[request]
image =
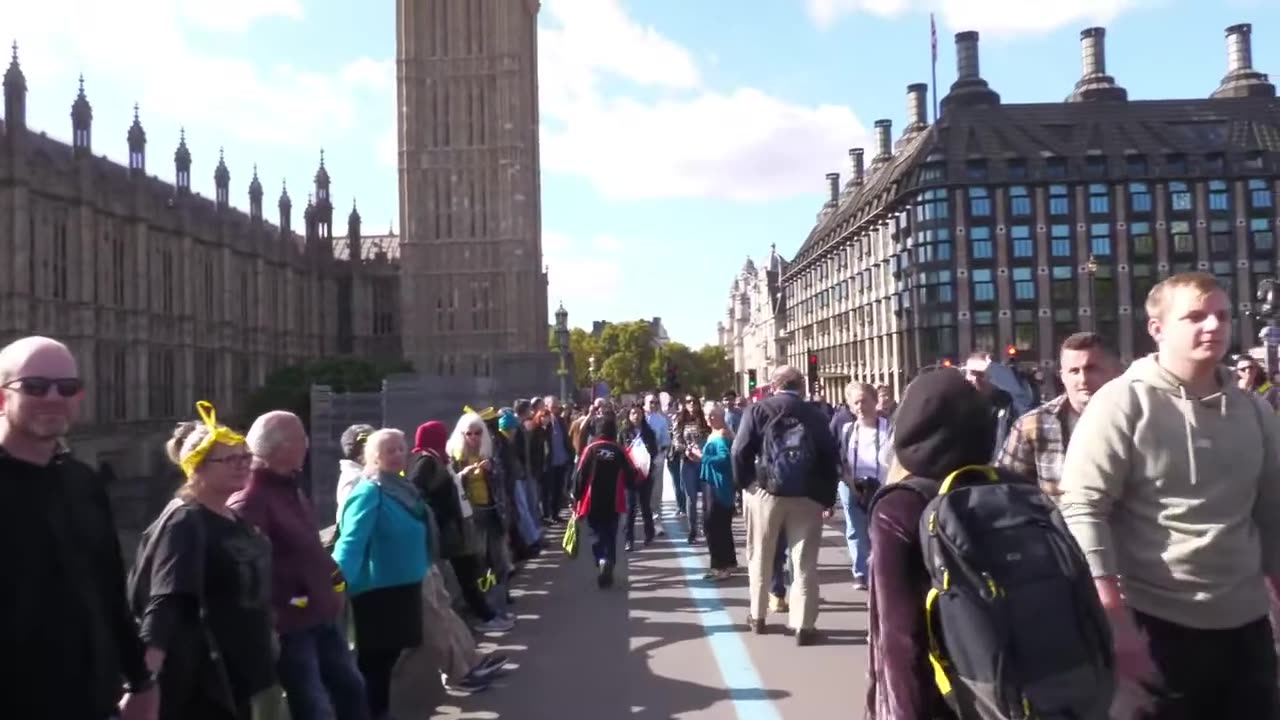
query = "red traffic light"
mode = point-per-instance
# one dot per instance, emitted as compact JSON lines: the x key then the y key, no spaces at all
{"x":1011,"y":350}
{"x":946,"y":363}
{"x":813,"y":359}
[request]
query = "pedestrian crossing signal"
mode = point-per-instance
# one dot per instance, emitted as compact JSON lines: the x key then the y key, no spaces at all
{"x":751,"y":380}
{"x":1011,"y":351}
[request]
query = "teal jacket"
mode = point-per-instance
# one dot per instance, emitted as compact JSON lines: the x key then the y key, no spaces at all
{"x":381,"y":542}
{"x":717,"y":470}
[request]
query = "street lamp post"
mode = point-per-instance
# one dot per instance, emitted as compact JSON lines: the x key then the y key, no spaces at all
{"x":1092,"y":268}
{"x":591,"y":375}
{"x":562,"y":345}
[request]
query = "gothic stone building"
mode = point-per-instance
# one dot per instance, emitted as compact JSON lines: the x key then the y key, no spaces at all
{"x":751,"y":333}
{"x":1005,"y":227}
{"x":474,"y":284}
{"x":167,"y":297}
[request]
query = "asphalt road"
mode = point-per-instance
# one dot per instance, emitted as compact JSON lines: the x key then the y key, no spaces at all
{"x":663,"y":644}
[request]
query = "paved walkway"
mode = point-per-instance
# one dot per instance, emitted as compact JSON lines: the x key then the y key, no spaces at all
{"x":662,"y":644}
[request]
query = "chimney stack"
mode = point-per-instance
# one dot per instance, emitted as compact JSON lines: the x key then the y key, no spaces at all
{"x":833,"y":188}
{"x":1095,"y":83}
{"x":917,"y":111}
{"x":967,"y":65}
{"x":1241,"y":79}
{"x":859,"y":169}
{"x":969,"y":89}
{"x":884,"y":141}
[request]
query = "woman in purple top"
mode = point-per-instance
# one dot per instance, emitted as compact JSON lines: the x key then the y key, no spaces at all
{"x":942,"y":425}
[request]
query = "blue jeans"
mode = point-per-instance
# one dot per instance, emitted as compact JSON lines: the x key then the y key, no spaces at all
{"x":855,"y":531}
{"x":318,"y":672}
{"x":673,"y":467}
{"x":526,"y":504}
{"x":691,"y":480}
{"x":780,"y":579}
{"x":604,"y":538}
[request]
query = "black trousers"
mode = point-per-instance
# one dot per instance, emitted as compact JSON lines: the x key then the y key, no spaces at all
{"x":376,"y":666}
{"x":466,"y":568}
{"x":552,"y":485}
{"x":718,"y":527}
{"x":1211,"y":674}
{"x":640,"y":500}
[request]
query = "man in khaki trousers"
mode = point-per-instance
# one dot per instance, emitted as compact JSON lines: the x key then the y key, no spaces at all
{"x":786,"y":461}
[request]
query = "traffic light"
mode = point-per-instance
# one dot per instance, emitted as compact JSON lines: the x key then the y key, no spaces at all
{"x":813,"y":373}
{"x":751,"y":380}
{"x":673,"y":378}
{"x":1011,"y":351}
{"x":946,"y":362}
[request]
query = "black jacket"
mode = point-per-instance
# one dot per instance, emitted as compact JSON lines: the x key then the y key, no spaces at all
{"x":71,"y":640}
{"x":747,"y":444}
{"x":435,"y":482}
{"x":605,"y":469}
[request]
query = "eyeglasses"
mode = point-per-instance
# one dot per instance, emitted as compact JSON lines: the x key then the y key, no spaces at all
{"x":40,"y":386}
{"x":236,"y":459}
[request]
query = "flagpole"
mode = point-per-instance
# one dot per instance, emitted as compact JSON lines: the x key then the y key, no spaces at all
{"x":933,"y":44}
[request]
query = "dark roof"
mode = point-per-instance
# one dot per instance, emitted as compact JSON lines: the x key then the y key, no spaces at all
{"x":1234,"y":127}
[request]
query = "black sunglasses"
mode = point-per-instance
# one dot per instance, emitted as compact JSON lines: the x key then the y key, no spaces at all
{"x":39,"y":386}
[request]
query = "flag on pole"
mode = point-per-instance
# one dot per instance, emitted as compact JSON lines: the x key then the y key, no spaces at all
{"x":933,"y":36}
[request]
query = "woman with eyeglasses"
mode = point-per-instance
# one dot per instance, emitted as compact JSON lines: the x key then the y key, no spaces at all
{"x":200,"y":584}
{"x":472,"y":456}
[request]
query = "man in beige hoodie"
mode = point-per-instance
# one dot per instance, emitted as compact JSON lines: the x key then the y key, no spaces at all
{"x":1171,"y":485}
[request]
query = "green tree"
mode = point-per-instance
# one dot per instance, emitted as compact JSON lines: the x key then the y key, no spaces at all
{"x":716,"y":370}
{"x":289,"y":388}
{"x":625,"y":353}
{"x":583,"y":346}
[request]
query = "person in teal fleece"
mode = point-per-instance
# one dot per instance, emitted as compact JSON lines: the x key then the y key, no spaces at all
{"x":716,"y":475}
{"x":382,"y":550}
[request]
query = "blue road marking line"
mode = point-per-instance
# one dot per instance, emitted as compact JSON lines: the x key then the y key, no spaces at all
{"x":723,"y":631}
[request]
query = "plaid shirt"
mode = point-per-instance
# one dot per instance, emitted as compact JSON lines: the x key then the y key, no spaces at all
{"x":1037,"y":444}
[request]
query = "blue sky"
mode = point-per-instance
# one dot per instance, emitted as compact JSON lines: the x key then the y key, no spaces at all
{"x":679,"y":136}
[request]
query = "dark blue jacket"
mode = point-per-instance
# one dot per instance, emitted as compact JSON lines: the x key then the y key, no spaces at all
{"x":747,"y":444}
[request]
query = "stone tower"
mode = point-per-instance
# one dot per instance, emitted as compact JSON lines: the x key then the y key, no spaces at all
{"x":473,"y":288}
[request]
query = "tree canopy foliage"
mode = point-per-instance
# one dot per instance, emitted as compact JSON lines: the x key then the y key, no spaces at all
{"x":628,"y":359}
{"x":289,"y":388}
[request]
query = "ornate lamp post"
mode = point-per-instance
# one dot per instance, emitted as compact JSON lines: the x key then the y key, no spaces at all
{"x":562,"y":345}
{"x":1092,"y":268}
{"x":591,"y":375}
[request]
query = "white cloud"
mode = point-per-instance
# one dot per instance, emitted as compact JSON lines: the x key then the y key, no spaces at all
{"x":159,"y":53}
{"x":671,"y":137}
{"x":996,"y":17}
{"x":581,"y":271}
{"x":235,"y":15}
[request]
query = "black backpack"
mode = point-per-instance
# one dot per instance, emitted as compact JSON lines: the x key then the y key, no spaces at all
{"x":1015,"y":627}
{"x":789,"y":456}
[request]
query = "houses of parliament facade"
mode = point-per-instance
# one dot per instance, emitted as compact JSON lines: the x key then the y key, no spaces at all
{"x":167,"y":297}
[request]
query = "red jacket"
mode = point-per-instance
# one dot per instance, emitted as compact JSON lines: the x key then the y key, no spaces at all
{"x":603,"y":471}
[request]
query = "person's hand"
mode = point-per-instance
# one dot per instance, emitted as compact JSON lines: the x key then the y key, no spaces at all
{"x":141,"y":706}
{"x":1134,"y":664}
{"x":484,"y":464}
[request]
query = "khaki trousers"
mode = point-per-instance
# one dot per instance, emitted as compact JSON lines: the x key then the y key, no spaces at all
{"x":447,"y":647}
{"x":801,"y":520}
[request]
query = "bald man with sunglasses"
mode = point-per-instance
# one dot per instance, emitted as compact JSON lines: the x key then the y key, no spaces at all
{"x":71,"y":637}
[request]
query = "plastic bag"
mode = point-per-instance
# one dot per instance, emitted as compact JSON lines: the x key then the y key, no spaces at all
{"x":570,"y":542}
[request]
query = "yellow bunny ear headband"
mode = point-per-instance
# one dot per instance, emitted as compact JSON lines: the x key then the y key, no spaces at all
{"x":488,"y":414}
{"x":217,"y":434}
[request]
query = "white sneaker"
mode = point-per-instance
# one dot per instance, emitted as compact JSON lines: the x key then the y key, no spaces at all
{"x":499,"y":623}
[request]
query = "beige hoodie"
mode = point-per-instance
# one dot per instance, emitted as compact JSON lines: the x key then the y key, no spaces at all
{"x":1178,"y":495}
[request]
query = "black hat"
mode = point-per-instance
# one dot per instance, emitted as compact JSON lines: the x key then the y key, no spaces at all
{"x":943,"y":424}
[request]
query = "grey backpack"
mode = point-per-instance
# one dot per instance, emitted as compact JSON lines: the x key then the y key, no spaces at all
{"x":1015,"y":627}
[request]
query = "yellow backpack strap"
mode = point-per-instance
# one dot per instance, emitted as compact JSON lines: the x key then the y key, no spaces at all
{"x":987,"y":470}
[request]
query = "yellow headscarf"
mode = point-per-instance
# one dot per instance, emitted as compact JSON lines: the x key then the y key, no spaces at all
{"x":217,"y":434}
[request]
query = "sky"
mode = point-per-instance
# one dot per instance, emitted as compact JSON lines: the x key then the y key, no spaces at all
{"x":679,"y":137}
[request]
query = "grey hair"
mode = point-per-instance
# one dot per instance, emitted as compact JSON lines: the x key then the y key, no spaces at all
{"x":788,"y":377}
{"x":270,"y":431}
{"x":353,"y":441}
